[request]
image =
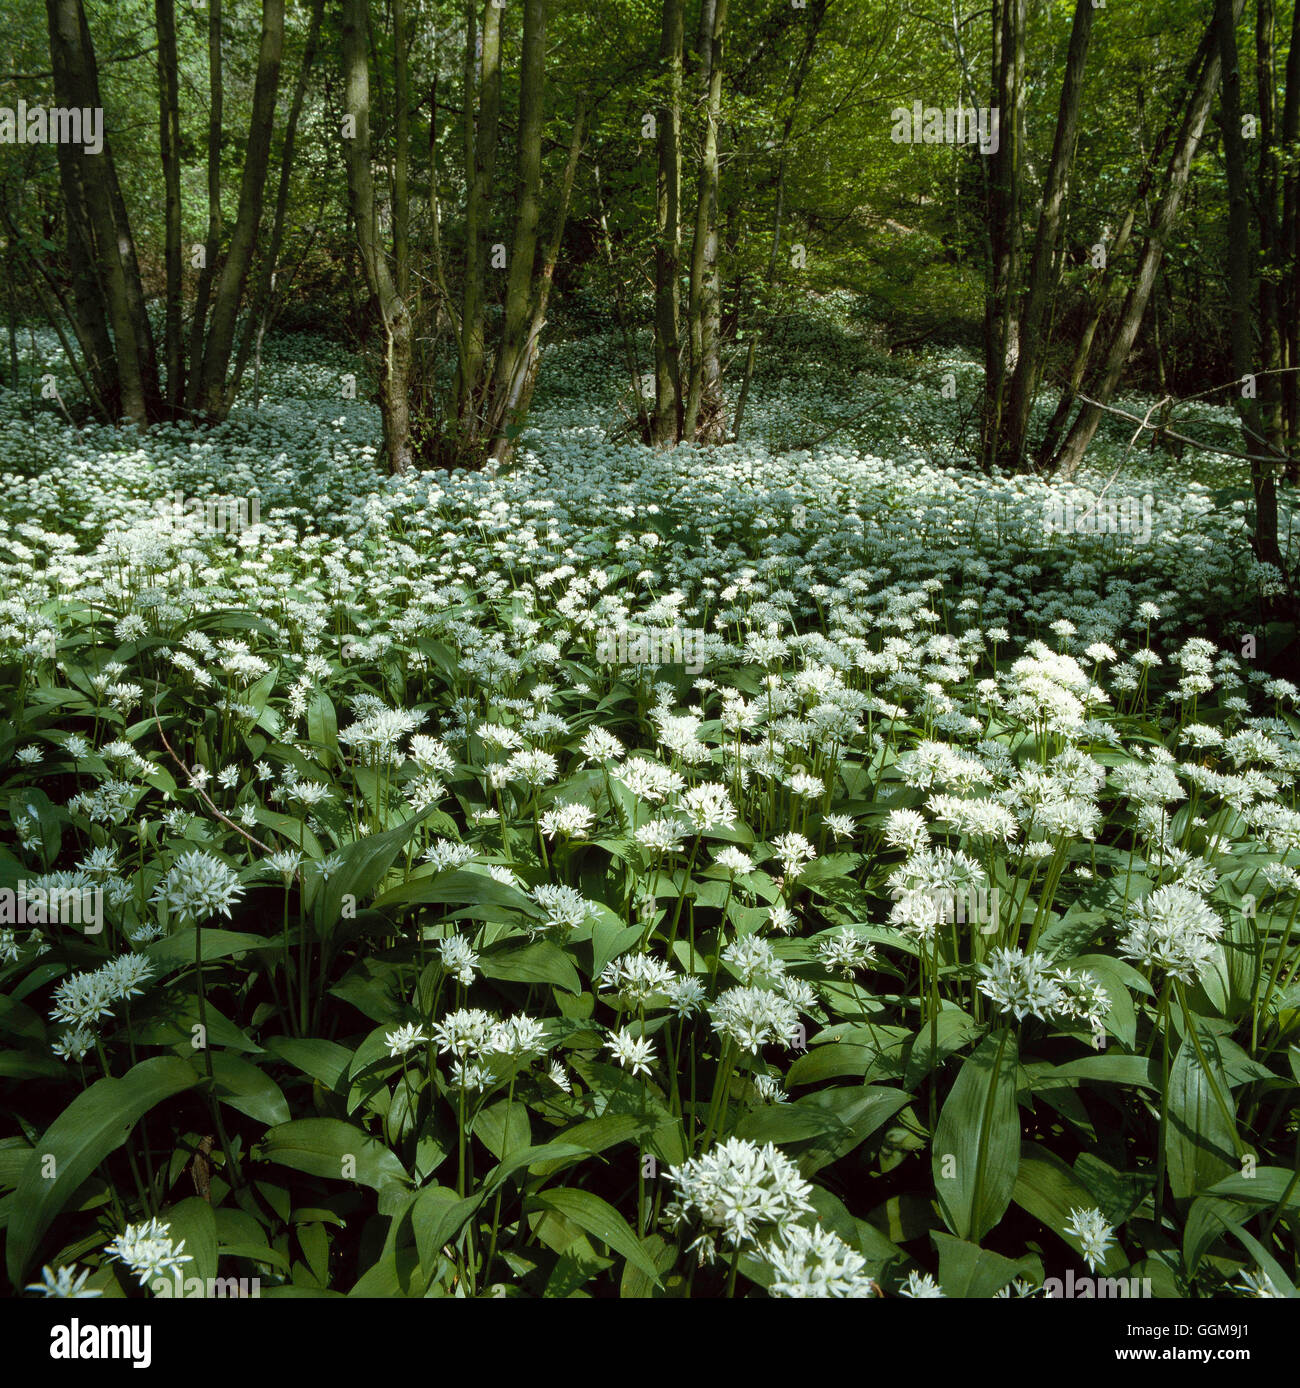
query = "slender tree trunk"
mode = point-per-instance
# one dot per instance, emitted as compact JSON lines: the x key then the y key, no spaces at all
{"x":169,"y":137}
{"x":1288,"y":242}
{"x":1000,"y":346}
{"x":75,"y":85}
{"x":1041,"y":287}
{"x":481,"y":149}
{"x":212,"y":242}
{"x":1081,"y":433}
{"x":1272,"y":421}
{"x":1240,"y":334}
{"x":1107,"y":284}
{"x":668,"y":240}
{"x":519,"y":284}
{"x":704,"y":414}
{"x":214,"y":398}
{"x":401,"y":156}
{"x":644,"y":426}
{"x":816,"y":16}
{"x":517,"y":396}
{"x":394,"y":401}
{"x":260,"y":305}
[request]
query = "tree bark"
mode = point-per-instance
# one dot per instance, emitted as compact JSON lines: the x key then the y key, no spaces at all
{"x":1081,"y":433}
{"x":169,"y":138}
{"x":668,"y":232}
{"x":1010,"y":446}
{"x":260,"y":305}
{"x":1000,"y":346}
{"x":519,"y":284}
{"x":816,"y":16}
{"x":1288,"y":243}
{"x":704,"y":415}
{"x":517,"y":395}
{"x":75,"y":84}
{"x":1240,"y":334}
{"x":394,"y":402}
{"x":481,"y":149}
{"x":214,"y":397}
{"x":212,"y":242}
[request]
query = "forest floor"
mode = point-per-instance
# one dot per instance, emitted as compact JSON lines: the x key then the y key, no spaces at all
{"x":616,"y":800}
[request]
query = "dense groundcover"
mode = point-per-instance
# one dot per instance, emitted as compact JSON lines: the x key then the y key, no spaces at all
{"x":745,"y":871}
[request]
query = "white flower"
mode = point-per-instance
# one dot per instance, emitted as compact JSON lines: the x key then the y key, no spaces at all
{"x":753,"y":1018}
{"x":573,"y":821}
{"x":465,"y":1031}
{"x":404,"y":1039}
{"x":795,"y":853}
{"x":816,"y":1263}
{"x":920,"y":1285}
{"x":63,"y":1282}
{"x":563,"y":908}
{"x":737,"y":1191}
{"x":197,"y":886}
{"x":846,"y":951}
{"x":1021,"y":984}
{"x":1172,"y":929}
{"x":458,"y":958}
{"x":708,"y":807}
{"x":1094,"y":1234}
{"x":734,"y":861}
{"x":752,"y":957}
{"x":631,"y":1052}
{"x":517,"y":1037}
{"x":147,"y":1249}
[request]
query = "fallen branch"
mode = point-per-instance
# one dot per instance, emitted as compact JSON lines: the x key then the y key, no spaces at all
{"x":201,"y":793}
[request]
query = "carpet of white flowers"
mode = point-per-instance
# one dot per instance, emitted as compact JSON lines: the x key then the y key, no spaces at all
{"x":787,"y":869}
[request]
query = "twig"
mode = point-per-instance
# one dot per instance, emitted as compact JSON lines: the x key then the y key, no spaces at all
{"x":1184,"y":438}
{"x":200,"y":792}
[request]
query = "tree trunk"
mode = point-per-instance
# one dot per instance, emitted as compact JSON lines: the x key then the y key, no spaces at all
{"x":212,"y":243}
{"x":1103,"y":292}
{"x":1287,"y":246}
{"x":1010,"y":446}
{"x":75,"y":84}
{"x":516,"y":391}
{"x":1070,"y":456}
{"x":169,"y":138}
{"x":394,"y":403}
{"x":401,"y":156}
{"x":1000,"y":346}
{"x":214,"y":399}
{"x":481,"y":149}
{"x":816,"y":15}
{"x":704,"y":414}
{"x":668,"y":239}
{"x":519,"y":284}
{"x":1266,"y":194}
{"x":259,"y":311}
{"x":1240,"y":334}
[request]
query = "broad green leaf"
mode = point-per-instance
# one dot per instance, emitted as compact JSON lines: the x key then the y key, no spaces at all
{"x":1200,"y":1144}
{"x":966,"y":1270}
{"x":540,"y":962}
{"x":176,"y":951}
{"x":600,"y":1219}
{"x":976,"y":1145}
{"x":331,"y":1148}
{"x":244,"y":1087}
{"x":193,"y":1221}
{"x":1047,"y":1189}
{"x":437,"y":1217}
{"x":364,"y":866}
{"x":95,"y":1123}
